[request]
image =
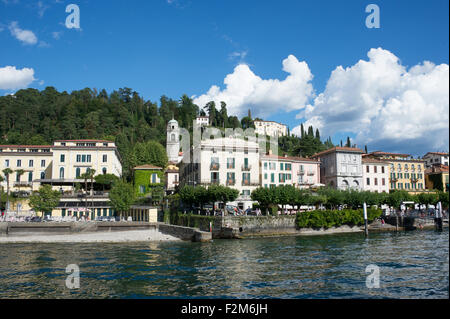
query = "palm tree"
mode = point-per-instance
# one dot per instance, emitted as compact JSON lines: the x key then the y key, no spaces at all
{"x":7,"y":172}
{"x":19,"y":173}
{"x":89,"y":175}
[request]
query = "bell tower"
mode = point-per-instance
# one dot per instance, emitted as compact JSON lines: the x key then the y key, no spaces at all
{"x":173,"y":141}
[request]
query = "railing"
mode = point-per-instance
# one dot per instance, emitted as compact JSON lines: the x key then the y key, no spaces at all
{"x":22,"y":184}
{"x":246,"y":167}
{"x":310,"y":173}
{"x":214,"y":167}
{"x":301,"y":172}
{"x":249,"y":183}
{"x":231,"y":182}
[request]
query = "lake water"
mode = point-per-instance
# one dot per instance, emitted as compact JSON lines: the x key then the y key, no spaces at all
{"x":411,"y":265}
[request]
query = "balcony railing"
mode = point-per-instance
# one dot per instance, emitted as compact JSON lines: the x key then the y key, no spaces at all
{"x":231,"y":182}
{"x":301,"y":172}
{"x":310,"y":173}
{"x":214,"y":166}
{"x":249,"y":183}
{"x":246,"y":167}
{"x":22,"y":184}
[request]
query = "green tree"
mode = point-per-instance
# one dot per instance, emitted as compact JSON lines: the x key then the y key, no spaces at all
{"x":44,"y":200}
{"x":122,"y":196}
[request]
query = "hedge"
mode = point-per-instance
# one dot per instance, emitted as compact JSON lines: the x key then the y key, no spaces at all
{"x":334,"y":218}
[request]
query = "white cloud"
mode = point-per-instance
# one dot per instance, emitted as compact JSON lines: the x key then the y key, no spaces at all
{"x":387,"y":106}
{"x":26,"y":36}
{"x":13,"y":79}
{"x":244,"y":90}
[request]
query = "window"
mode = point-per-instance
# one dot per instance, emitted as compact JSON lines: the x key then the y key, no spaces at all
{"x":61,"y":173}
{"x":30,"y":177}
{"x":368,"y":181}
{"x":17,"y":177}
{"x":154,"y":175}
{"x":367,"y":169}
{"x":19,"y":163}
{"x":42,"y":163}
{"x":281,"y":177}
{"x":376,"y":181}
{"x":62,"y":158}
{"x":272,"y":178}
{"x":215,"y":177}
{"x":30,"y":163}
{"x":83,"y":158}
{"x":42,"y":175}
{"x":77,"y":172}
{"x":104,"y":170}
{"x":105,"y":158}
{"x":246,"y":163}
{"x":265,"y":165}
{"x":383,"y":181}
{"x":88,"y":158}
{"x":141,"y":189}
{"x":281,"y":166}
{"x":382,"y":169}
{"x":288,"y":167}
{"x":375,"y":169}
{"x":78,"y":158}
{"x":6,"y":163}
{"x":230,"y":178}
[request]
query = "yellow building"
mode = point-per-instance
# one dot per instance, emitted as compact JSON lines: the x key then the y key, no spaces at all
{"x":436,"y":177}
{"x":405,"y":172}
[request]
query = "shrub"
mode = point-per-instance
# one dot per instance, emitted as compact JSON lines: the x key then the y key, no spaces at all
{"x":335,"y":218}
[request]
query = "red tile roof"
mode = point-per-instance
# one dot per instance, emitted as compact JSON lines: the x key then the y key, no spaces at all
{"x":289,"y":158}
{"x":387,"y":153}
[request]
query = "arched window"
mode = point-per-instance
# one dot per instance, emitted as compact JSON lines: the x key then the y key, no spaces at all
{"x":104,"y":170}
{"x":344,"y":184}
{"x":355,"y":183}
{"x":77,"y":172}
{"x":61,"y":173}
{"x":42,"y":175}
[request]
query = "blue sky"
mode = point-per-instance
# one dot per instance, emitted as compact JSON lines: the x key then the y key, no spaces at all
{"x":177,"y":47}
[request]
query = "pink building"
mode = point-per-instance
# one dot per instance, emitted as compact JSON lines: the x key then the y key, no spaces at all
{"x":287,"y":170}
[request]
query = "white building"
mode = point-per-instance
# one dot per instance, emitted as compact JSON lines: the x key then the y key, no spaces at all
{"x":34,"y":160}
{"x":172,"y":175}
{"x":227,"y":161}
{"x":286,"y":170}
{"x":202,"y":120}
{"x":341,"y":167}
{"x":375,"y":175}
{"x":270,"y":128}
{"x":433,"y":158}
{"x":60,"y":164}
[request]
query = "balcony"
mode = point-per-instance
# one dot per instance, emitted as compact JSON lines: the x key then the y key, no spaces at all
{"x":301,"y":172}
{"x":310,"y":173}
{"x":23,"y":184}
{"x":214,"y":166}
{"x":231,"y":182}
{"x":246,"y":167}
{"x":249,"y":183}
{"x":414,"y":179}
